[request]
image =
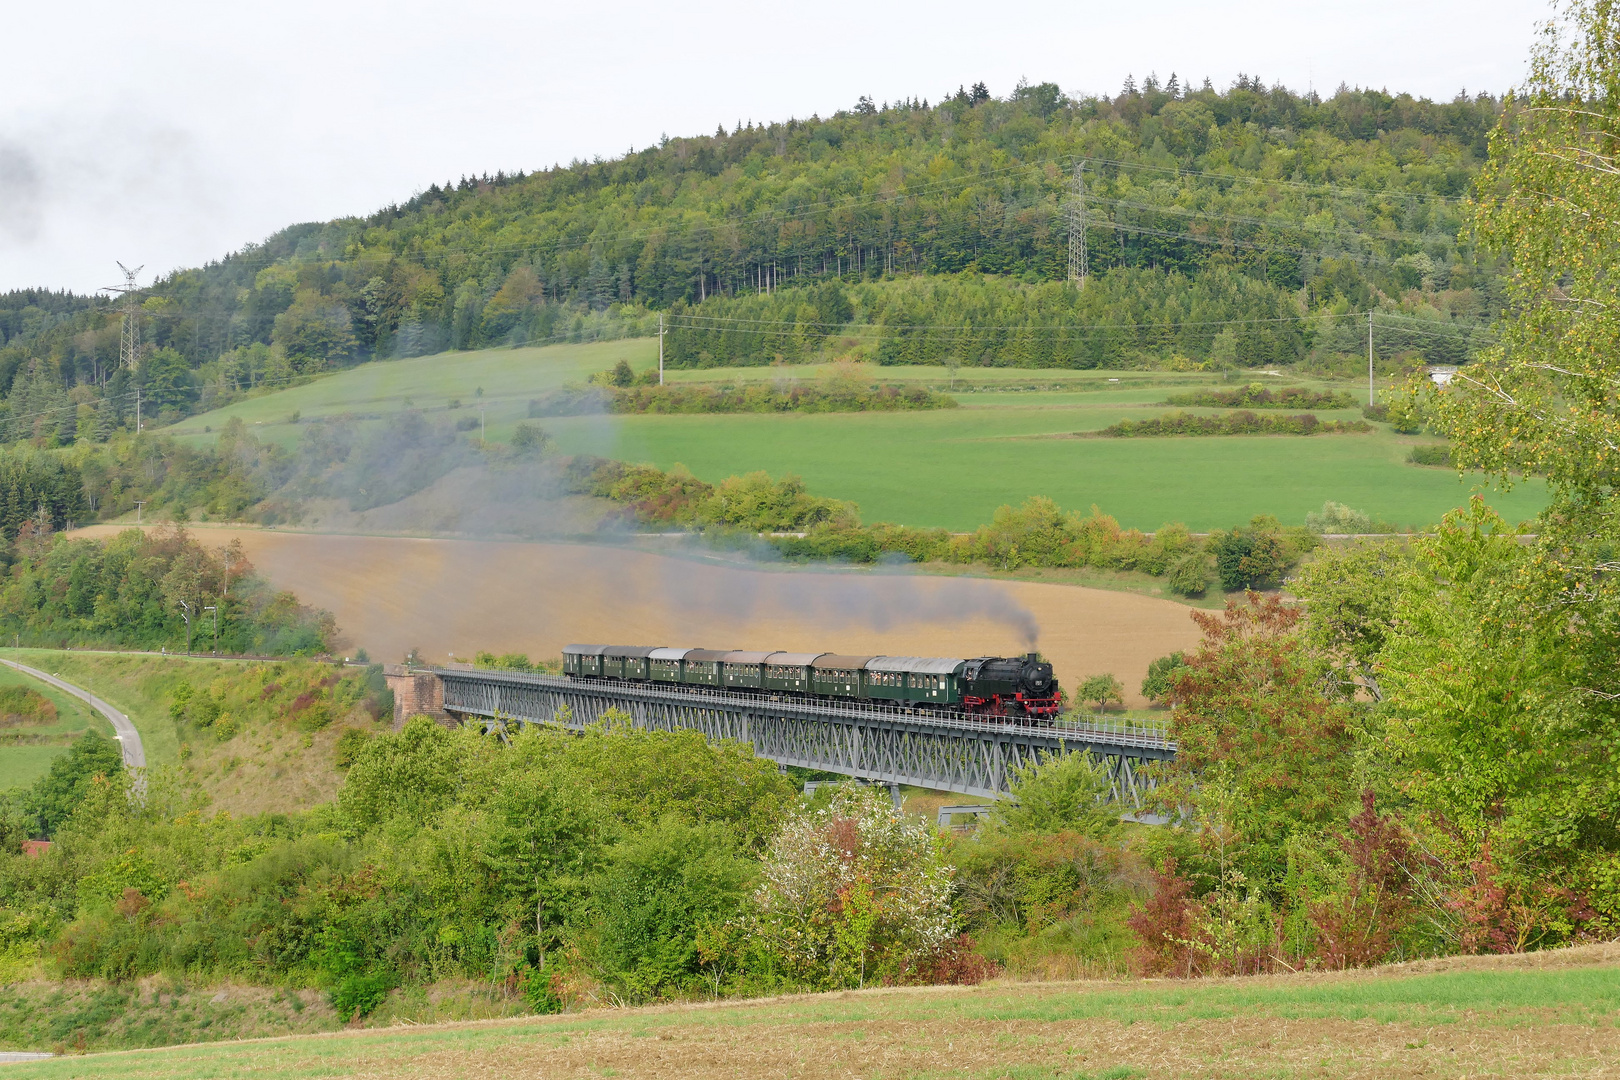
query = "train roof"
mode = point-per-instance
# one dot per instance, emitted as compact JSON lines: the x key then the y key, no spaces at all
{"x":833,"y":660}
{"x":630,"y":652}
{"x":583,"y":650}
{"x":669,"y":654}
{"x":923,"y":665}
{"x":792,"y":659}
{"x":707,"y":656}
{"x":744,"y":657}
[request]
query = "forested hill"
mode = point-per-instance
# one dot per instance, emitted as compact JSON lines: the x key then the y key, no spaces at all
{"x":1201,"y":206}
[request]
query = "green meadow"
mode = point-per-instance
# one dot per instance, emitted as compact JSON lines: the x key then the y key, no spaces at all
{"x":27,"y":750}
{"x":1013,"y":436}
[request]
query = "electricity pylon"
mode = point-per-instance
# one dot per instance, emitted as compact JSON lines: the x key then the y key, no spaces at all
{"x":129,"y":340}
{"x":1077,"y":226}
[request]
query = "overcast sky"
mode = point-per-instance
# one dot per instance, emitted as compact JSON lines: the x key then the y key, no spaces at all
{"x":165,"y":134}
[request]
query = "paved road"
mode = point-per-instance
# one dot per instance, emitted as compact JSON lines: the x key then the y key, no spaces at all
{"x":12,"y":1057}
{"x":134,"y":753}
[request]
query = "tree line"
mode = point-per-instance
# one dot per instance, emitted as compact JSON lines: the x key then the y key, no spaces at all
{"x":1274,"y":193}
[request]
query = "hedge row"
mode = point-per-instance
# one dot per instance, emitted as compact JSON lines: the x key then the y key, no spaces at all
{"x":749,"y":398}
{"x":1238,"y":423}
{"x":1256,"y":396}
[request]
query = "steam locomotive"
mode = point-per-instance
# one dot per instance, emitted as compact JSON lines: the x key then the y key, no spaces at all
{"x":1018,"y":686}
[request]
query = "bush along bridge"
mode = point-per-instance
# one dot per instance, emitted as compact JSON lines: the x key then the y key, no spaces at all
{"x":969,"y":755}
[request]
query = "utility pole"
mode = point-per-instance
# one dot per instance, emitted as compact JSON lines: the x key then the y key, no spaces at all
{"x":215,"y":610}
{"x":1077,"y":226}
{"x":129,"y":338}
{"x":660,"y":348}
{"x":138,"y":505}
{"x":185,"y":613}
{"x":137,"y":410}
{"x":1370,"y":400}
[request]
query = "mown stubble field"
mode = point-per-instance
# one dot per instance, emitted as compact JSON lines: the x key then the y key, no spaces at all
{"x":1550,"y":1014}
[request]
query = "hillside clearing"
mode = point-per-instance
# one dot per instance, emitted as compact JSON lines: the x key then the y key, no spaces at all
{"x":1538,"y":1015}
{"x":949,"y":468}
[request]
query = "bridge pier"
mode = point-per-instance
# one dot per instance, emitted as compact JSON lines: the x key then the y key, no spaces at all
{"x":416,"y":693}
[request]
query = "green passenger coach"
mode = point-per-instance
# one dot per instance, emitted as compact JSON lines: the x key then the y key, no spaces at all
{"x":1021,"y":686}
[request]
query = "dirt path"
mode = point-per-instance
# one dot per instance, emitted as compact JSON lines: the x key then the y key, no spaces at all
{"x":393,"y":594}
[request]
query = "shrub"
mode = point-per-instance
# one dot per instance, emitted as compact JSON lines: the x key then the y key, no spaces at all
{"x":758,"y":397}
{"x":1160,"y":683}
{"x":1253,"y":556}
{"x":1403,"y":414}
{"x":24,"y":705}
{"x":1431,"y":454}
{"x":349,"y":745}
{"x":1061,"y":794}
{"x":662,"y":887}
{"x":357,"y":996}
{"x":1339,"y":518}
{"x":853,"y":894}
{"x":1237,"y":423}
{"x":1258,"y":396}
{"x":1165,"y":926}
{"x":54,"y":796}
{"x":530,"y":439}
{"x":1190,"y":575}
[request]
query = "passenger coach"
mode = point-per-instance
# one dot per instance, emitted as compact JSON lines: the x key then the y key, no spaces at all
{"x":991,"y":685}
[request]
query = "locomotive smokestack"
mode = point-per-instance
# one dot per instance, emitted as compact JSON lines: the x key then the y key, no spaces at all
{"x":1032,"y":657}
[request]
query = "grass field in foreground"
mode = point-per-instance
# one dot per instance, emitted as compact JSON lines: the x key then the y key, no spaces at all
{"x":949,"y":468}
{"x":1543,"y":1020}
{"x":27,"y":750}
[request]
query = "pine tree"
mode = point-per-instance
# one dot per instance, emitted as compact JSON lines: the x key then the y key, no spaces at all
{"x":106,"y":421}
{"x":67,"y":428}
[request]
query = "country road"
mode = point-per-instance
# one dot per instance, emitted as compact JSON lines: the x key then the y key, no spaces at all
{"x":134,"y":753}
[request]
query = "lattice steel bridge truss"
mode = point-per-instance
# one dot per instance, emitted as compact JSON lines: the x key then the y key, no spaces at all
{"x":870,"y":742}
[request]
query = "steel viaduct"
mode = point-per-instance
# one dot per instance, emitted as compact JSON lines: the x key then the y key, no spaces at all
{"x":875,"y":743}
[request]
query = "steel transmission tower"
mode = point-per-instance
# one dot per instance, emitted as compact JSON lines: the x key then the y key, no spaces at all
{"x":1077,"y":226}
{"x":129,"y":341}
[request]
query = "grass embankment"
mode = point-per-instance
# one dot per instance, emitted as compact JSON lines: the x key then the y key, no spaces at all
{"x":261,"y":766}
{"x":28,"y":744}
{"x":1544,"y":1014}
{"x":950,"y":468}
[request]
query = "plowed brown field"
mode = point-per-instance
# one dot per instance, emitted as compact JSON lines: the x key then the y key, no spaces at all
{"x":393,"y":594}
